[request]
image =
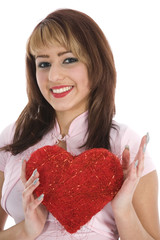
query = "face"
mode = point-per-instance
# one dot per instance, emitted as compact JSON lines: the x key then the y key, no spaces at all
{"x":62,"y":79}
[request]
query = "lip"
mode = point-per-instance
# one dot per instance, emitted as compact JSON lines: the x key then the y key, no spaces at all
{"x":60,"y":86}
{"x":63,"y":94}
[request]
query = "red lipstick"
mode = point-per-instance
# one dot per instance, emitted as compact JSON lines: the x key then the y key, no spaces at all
{"x":61,"y":91}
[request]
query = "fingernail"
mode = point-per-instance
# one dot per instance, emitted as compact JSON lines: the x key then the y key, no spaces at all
{"x":23,"y":160}
{"x":35,"y":181}
{"x":34,"y":172}
{"x":147,"y":138}
{"x":147,"y":141}
{"x":136,"y":163}
{"x":144,"y":147}
{"x":40,"y":197}
{"x":127,"y":147}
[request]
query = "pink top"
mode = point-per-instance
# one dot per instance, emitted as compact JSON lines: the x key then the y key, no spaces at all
{"x":102,"y":226}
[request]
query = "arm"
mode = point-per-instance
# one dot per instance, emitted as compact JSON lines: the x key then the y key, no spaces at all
{"x":35,"y":213}
{"x":135,"y":206}
{"x":15,"y":232}
{"x":3,"y":214}
{"x":145,"y":202}
{"x":140,"y":219}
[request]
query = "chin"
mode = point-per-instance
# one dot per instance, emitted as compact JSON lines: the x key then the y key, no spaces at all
{"x":61,"y":108}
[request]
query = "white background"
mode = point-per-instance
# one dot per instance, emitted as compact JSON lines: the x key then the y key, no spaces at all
{"x":132,"y":28}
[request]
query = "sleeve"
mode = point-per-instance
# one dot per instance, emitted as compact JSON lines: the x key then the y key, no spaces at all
{"x":132,"y":139}
{"x":5,"y":138}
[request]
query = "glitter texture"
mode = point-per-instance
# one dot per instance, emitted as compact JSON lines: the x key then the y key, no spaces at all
{"x":75,"y":188}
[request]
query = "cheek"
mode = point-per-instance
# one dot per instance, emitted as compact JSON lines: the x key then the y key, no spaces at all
{"x":41,"y":81}
{"x":81,"y":77}
{"x":85,"y":83}
{"x":38,"y":79}
{"x":39,"y":84}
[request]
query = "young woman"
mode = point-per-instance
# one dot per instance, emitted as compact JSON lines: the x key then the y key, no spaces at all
{"x":71,"y":80}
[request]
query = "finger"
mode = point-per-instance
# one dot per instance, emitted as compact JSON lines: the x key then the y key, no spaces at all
{"x":23,"y":172}
{"x":125,"y":158}
{"x":28,"y":192}
{"x":37,"y":202}
{"x":139,"y":160}
{"x":139,"y":163}
{"x":140,"y":153}
{"x":131,"y":181}
{"x":146,"y":142}
{"x":32,"y":178}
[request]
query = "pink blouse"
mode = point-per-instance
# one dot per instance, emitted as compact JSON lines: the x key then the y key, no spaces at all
{"x":102,"y":226}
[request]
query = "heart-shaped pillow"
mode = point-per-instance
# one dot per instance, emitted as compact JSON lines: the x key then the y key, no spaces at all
{"x":75,"y":187}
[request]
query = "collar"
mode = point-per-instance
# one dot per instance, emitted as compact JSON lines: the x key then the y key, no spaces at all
{"x":76,"y":136}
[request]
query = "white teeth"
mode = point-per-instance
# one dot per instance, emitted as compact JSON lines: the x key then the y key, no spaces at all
{"x":61,"y":90}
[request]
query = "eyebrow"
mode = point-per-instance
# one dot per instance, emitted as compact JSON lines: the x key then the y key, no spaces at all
{"x":47,"y":56}
{"x":62,"y":53}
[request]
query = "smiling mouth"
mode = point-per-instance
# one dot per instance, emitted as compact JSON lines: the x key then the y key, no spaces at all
{"x":59,"y":92}
{"x":62,"y":90}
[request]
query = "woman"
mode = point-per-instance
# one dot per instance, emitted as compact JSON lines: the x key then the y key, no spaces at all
{"x":71,"y":80}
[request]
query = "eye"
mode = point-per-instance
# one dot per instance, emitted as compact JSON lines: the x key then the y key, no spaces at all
{"x":70,"y":60}
{"x":44,"y":65}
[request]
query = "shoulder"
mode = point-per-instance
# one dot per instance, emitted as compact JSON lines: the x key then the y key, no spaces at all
{"x":122,"y":135}
{"x":7,"y":134}
{"x":6,"y":137}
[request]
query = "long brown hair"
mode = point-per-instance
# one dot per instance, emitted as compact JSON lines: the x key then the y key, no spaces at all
{"x":79,"y":33}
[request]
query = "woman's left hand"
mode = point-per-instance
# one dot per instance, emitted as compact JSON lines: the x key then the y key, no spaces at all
{"x":132,"y":174}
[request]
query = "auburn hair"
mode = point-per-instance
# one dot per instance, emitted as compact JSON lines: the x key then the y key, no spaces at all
{"x":79,"y":33}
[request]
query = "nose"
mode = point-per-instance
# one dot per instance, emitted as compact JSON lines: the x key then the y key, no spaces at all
{"x":55,"y":73}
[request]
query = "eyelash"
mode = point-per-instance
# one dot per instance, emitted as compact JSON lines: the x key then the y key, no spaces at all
{"x":44,"y":65}
{"x":69,"y":60}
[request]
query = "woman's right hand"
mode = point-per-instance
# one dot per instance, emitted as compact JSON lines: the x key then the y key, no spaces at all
{"x":35,"y":213}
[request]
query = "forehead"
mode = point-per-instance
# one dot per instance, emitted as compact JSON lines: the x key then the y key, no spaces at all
{"x":47,"y":53}
{"x":54,"y":49}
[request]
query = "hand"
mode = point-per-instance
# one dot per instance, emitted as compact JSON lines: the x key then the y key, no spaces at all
{"x":35,"y":213}
{"x":132,"y":175}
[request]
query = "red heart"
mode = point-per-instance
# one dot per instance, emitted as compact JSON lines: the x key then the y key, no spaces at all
{"x":75,"y":188}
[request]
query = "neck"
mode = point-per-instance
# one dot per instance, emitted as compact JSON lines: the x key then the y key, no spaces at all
{"x":64,"y":119}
